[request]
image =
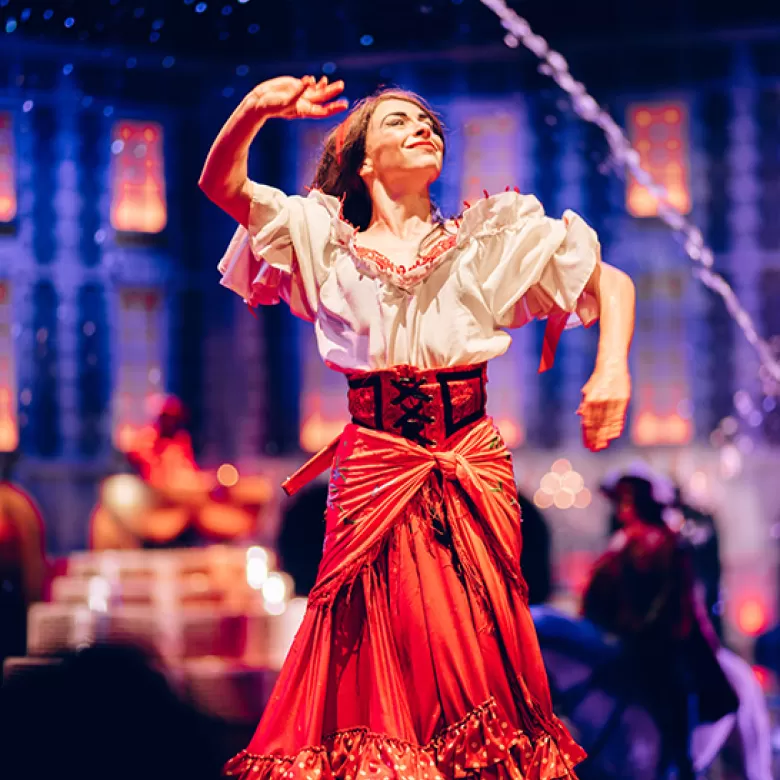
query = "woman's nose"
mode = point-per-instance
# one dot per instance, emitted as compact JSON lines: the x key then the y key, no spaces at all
{"x":423,"y":130}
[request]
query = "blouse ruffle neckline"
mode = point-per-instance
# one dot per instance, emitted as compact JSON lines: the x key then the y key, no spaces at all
{"x":486,"y":217}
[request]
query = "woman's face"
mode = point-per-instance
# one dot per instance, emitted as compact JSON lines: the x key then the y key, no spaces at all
{"x":402,"y":144}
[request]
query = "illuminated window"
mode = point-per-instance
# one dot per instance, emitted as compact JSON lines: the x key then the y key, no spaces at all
{"x":324,"y":411}
{"x":659,"y":132}
{"x":489,"y":154}
{"x":661,"y":413}
{"x":140,"y":351}
{"x":490,"y":160}
{"x":9,"y":426}
{"x":7,"y":179}
{"x":138,"y":178}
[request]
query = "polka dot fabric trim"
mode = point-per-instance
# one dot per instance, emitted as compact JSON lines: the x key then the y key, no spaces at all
{"x":482,"y":745}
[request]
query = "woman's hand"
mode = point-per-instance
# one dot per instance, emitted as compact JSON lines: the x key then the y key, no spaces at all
{"x":604,"y":404}
{"x":224,"y":178}
{"x":291,"y":98}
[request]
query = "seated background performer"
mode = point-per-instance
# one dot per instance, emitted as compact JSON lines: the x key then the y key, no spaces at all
{"x":180,"y":505}
{"x":417,"y":657}
{"x":162,"y":450}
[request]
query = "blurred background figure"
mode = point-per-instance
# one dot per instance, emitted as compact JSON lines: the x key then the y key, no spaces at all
{"x":161,"y":453}
{"x":643,"y":591}
{"x":302,"y":535}
{"x":23,"y":565}
{"x":700,"y":530}
{"x":697,"y":527}
{"x":99,"y":712}
{"x":170,"y":501}
{"x":536,"y":555}
{"x":643,"y":679}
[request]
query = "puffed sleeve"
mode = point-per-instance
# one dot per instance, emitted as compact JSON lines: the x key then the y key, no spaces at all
{"x":282,"y":255}
{"x":530,"y":266}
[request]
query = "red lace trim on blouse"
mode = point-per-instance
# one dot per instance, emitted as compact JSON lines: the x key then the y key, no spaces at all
{"x":423,"y":263}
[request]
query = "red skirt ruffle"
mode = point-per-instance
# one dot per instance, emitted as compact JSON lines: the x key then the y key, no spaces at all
{"x":480,"y":745}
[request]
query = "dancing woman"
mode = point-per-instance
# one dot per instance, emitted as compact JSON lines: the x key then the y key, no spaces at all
{"x":417,"y":657}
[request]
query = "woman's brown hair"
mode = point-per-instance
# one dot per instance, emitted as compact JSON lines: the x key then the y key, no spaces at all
{"x":338,"y":171}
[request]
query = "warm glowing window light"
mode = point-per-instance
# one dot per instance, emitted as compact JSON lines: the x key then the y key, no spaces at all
{"x":661,"y":413}
{"x":140,"y":378}
{"x":9,"y":425}
{"x":138,"y":178}
{"x":659,"y":132}
{"x":7,"y":178}
{"x":492,"y":140}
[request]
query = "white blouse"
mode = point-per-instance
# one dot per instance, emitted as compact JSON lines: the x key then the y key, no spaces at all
{"x":507,"y":264}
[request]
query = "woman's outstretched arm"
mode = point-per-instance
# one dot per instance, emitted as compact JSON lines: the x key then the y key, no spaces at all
{"x":224,"y":178}
{"x":606,"y":395}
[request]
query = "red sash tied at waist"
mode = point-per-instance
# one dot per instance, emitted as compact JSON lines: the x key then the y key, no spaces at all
{"x":374,"y":476}
{"x":448,"y":463}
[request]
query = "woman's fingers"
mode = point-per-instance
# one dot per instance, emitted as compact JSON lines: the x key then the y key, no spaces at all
{"x":602,"y":422}
{"x":593,"y":413}
{"x":295,"y":90}
{"x":321,"y":93}
{"x":305,"y":84}
{"x":335,"y":107}
{"x":612,"y":407}
{"x":317,"y":99}
{"x":590,"y":438}
{"x":308,"y":109}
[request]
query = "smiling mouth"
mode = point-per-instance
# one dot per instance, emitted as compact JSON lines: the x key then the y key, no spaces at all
{"x":423,"y":146}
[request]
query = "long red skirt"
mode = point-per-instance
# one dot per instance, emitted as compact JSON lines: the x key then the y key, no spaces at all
{"x":417,"y":658}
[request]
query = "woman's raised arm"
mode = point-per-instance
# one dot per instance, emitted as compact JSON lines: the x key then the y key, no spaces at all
{"x":224,"y":178}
